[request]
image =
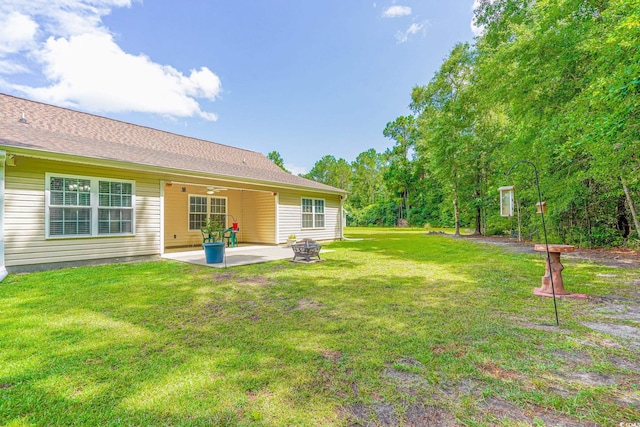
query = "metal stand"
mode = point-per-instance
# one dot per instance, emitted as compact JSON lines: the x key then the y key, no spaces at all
{"x":544,"y":229}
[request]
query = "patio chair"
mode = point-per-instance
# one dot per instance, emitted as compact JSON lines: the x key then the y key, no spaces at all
{"x":206,"y":237}
{"x":229,"y":236}
{"x":234,"y":236}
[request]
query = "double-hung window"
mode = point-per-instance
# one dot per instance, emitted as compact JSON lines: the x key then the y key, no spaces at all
{"x":79,"y":206}
{"x":115,"y":210}
{"x":312,"y":213}
{"x":202,"y":207}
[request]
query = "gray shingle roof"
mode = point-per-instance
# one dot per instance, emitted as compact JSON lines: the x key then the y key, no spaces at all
{"x":60,"y":130}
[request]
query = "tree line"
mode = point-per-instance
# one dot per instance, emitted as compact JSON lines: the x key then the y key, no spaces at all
{"x":555,"y":82}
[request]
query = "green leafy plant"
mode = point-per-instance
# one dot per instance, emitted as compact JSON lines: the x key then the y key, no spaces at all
{"x":212,"y":228}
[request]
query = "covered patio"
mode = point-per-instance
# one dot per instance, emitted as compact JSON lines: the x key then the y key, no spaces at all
{"x":241,"y":255}
{"x":188,"y":205}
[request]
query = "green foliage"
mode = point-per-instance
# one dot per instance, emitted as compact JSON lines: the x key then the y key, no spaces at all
{"x":563,"y":69}
{"x":276,"y":158}
{"x":330,"y":171}
{"x":605,"y":236}
{"x":382,"y":214}
{"x":367,"y":183}
{"x":555,"y":82}
{"x":212,"y":228}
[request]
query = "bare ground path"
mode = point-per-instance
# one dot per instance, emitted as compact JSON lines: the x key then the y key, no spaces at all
{"x":615,"y":257}
{"x":600,"y":355}
{"x":616,"y":314}
{"x":613,"y":320}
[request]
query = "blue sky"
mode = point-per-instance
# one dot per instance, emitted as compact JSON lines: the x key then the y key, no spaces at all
{"x":306,"y":78}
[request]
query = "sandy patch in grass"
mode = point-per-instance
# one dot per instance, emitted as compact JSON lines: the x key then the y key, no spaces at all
{"x":621,"y":362}
{"x":494,"y":371}
{"x":592,"y":379}
{"x":307,"y":304}
{"x":332,"y":355}
{"x":500,"y":409}
{"x":573,"y":357}
{"x":622,"y":331}
{"x":429,"y":415}
{"x":385,"y":415}
{"x":406,"y":373}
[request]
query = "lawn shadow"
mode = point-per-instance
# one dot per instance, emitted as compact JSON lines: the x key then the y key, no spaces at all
{"x":371,"y":336}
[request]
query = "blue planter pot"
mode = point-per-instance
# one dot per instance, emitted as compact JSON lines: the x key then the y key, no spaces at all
{"x":213,"y":252}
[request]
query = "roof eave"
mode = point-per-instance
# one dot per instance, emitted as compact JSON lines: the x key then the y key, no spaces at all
{"x":120,"y":164}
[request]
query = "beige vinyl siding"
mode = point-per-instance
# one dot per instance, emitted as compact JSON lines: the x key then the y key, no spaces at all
{"x":25,"y":240}
{"x":254,"y":211}
{"x":176,"y":213}
{"x":258,"y":217}
{"x":290,"y":216}
{"x":176,"y":216}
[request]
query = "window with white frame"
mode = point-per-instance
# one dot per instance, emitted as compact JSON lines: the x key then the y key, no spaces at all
{"x":312,"y":213}
{"x":79,"y":206}
{"x":201,"y":207}
{"x":115,"y":211}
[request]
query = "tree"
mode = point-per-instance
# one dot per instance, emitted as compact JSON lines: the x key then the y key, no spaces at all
{"x":399,"y":176}
{"x":276,"y":158}
{"x":330,"y":171}
{"x":367,"y":183}
{"x":568,"y":72}
{"x":445,"y":123}
{"x":610,"y":102}
{"x":555,"y":82}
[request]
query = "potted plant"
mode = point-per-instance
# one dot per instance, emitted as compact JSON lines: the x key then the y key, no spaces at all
{"x":291,"y":240}
{"x":213,"y":244}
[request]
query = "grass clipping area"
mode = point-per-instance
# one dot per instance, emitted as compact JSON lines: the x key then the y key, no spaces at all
{"x":401,"y":328}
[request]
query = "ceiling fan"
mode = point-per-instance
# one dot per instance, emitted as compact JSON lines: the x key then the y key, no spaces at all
{"x":212,"y":190}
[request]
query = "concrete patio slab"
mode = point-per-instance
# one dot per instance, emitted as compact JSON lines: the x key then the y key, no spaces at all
{"x":243,"y":255}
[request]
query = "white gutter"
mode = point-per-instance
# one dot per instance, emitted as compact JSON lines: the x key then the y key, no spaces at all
{"x":3,"y":267}
{"x":343,"y":216}
{"x":161,"y":170}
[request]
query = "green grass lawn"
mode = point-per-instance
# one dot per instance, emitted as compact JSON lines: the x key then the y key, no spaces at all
{"x":400,"y":328}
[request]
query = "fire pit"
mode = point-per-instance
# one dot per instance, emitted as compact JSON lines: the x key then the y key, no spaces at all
{"x":306,"y":250}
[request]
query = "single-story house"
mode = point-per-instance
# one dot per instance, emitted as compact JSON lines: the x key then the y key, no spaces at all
{"x":80,"y":187}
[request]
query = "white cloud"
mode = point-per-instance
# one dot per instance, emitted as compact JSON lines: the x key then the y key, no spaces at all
{"x":17,"y":32}
{"x":85,"y":68}
{"x":478,"y":30}
{"x":396,"y":11}
{"x":296,"y":170}
{"x":64,"y":17}
{"x":415,"y":28}
{"x":10,"y":67}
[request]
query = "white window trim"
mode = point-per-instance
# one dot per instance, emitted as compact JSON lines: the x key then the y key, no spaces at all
{"x":313,"y":214}
{"x":208,"y":197}
{"x":93,"y":205}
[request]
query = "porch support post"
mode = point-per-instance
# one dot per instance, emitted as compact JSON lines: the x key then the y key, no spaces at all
{"x":277,"y":203}
{"x":3,"y":268}
{"x":161,"y":201}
